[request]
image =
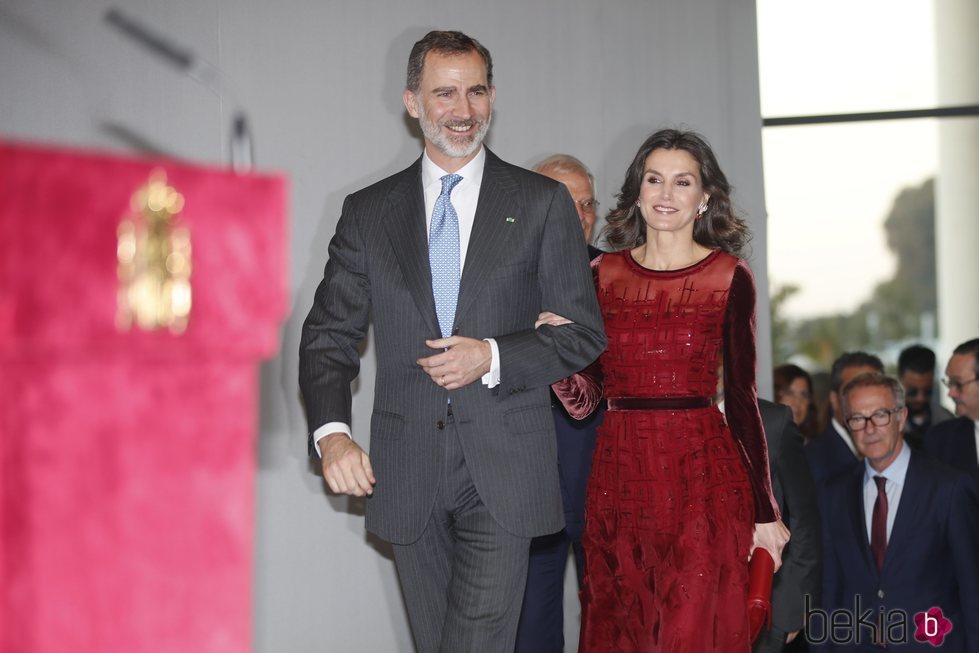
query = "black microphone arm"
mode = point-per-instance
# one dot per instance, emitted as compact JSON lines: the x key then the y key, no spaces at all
{"x":240,"y":145}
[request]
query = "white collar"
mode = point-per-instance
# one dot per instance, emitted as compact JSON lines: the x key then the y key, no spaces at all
{"x":897,"y":471}
{"x":471,"y":173}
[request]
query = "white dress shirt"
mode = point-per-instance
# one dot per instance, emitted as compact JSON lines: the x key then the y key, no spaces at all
{"x":895,"y":473}
{"x":977,"y":441}
{"x":465,"y":195}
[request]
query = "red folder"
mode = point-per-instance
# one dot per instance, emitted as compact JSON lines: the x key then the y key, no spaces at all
{"x":761,"y":570}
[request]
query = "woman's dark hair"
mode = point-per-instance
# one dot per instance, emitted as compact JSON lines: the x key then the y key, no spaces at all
{"x":783,"y":377}
{"x":717,"y":228}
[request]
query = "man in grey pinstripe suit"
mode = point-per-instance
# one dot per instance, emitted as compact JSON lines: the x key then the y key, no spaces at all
{"x":462,"y":471}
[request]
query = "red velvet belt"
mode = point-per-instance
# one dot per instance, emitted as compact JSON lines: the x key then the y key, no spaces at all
{"x":659,"y":403}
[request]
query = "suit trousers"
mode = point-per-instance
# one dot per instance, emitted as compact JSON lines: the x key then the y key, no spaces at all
{"x":542,"y":616}
{"x":541,"y":627}
{"x":463,"y":580}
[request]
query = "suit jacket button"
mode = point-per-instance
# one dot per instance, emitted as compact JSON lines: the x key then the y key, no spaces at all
{"x":455,"y":331}
{"x":440,"y":425}
{"x":880,"y":594}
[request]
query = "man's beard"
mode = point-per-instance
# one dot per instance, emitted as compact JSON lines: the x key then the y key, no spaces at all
{"x":458,"y":147}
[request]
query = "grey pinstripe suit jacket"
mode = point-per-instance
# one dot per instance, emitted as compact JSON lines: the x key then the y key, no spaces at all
{"x":525,"y":255}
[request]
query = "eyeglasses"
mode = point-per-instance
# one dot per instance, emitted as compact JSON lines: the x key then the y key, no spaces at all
{"x":952,"y":384}
{"x":588,"y":206}
{"x":878,"y":417}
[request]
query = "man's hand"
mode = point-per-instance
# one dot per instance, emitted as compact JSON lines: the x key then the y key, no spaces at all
{"x":773,"y":537}
{"x":346,"y":467}
{"x":551,"y":319}
{"x":464,"y":360}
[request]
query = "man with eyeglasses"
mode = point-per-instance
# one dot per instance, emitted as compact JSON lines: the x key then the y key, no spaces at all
{"x":901,"y":532}
{"x":916,"y":372}
{"x":833,"y":449}
{"x":956,"y":442}
{"x":581,"y":184}
{"x":541,"y":628}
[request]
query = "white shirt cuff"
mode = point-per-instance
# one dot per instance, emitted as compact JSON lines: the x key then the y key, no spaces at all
{"x":492,"y":378}
{"x":325,"y":430}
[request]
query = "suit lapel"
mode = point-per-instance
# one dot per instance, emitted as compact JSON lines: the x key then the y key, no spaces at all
{"x":844,"y":454}
{"x":858,"y":519}
{"x":487,"y":242}
{"x":908,"y":511}
{"x":406,"y":229}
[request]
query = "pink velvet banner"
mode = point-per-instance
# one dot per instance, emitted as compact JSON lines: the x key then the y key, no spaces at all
{"x":127,"y":458}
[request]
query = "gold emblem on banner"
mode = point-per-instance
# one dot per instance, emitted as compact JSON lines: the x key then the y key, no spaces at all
{"x":154,"y":266}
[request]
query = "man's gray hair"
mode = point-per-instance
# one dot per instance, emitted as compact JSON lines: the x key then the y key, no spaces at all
{"x":873,"y":380}
{"x":564,"y":163}
{"x":443,"y":42}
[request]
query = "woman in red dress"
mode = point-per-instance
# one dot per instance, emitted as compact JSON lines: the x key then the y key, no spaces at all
{"x":678,"y":496}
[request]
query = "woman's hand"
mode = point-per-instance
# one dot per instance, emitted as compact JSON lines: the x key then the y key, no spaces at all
{"x":551,"y":319}
{"x":772,"y":537}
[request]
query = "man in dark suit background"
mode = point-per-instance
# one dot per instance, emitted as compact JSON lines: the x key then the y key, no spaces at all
{"x":916,"y":372}
{"x":956,"y":442}
{"x":901,"y":532}
{"x":541,"y":627}
{"x":795,"y":492}
{"x":580,"y":182}
{"x":454,"y":258}
{"x":833,"y":449}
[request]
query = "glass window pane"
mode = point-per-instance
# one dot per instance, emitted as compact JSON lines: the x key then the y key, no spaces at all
{"x":841,"y":56}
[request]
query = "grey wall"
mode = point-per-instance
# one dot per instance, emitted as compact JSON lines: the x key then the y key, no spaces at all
{"x":321,"y":82}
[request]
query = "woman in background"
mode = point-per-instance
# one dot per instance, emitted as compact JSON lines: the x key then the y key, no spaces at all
{"x":677,"y":498}
{"x":793,"y":388}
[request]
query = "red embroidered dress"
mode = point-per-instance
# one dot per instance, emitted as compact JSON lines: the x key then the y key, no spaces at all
{"x":674,"y":490}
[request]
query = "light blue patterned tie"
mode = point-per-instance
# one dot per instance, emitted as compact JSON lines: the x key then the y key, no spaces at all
{"x":443,"y":255}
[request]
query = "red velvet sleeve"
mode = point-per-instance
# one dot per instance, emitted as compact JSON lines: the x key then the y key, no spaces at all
{"x":740,"y":391}
{"x":581,"y":393}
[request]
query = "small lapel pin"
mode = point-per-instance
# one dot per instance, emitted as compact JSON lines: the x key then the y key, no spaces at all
{"x":510,"y":219}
